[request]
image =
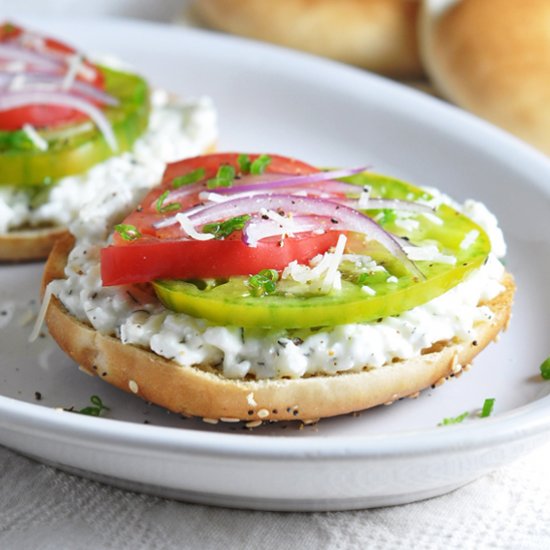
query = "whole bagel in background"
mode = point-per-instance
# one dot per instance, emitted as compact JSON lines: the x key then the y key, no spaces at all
{"x":492,"y":57}
{"x":379,"y":35}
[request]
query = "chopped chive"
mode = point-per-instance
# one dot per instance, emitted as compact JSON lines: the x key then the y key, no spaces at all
{"x":96,"y":409}
{"x":244,"y":163}
{"x":163,"y":208}
{"x":454,"y":420}
{"x":388,"y":216}
{"x":187,"y":179}
{"x":265,"y":282}
{"x":224,"y":229}
{"x":128,"y":232}
{"x":545,"y":369}
{"x":260,"y":164}
{"x":487,"y":409}
{"x":224,"y":177}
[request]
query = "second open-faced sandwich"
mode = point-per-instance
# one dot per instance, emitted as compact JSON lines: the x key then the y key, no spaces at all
{"x":71,"y":130}
{"x":258,"y":287}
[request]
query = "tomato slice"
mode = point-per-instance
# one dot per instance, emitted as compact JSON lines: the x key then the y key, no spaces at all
{"x":294,"y":306}
{"x":41,"y":116}
{"x":163,"y":253}
{"x":73,"y":149}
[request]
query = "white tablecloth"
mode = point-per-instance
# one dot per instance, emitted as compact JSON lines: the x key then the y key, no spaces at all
{"x":42,"y":508}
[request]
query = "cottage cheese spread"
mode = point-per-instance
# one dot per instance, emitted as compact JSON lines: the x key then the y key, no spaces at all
{"x":176,"y":129}
{"x":134,"y":315}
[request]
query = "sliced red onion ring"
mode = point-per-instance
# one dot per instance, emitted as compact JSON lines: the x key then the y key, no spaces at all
{"x":394,"y":204}
{"x":52,"y":82}
{"x":15,"y":53}
{"x":347,"y":218}
{"x":21,"y":99}
{"x":288,"y":181}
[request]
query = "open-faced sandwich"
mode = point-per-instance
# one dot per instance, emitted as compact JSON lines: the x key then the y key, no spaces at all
{"x":258,"y":287}
{"x":71,"y":129}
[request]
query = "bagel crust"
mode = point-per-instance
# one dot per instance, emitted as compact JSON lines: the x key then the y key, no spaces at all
{"x":201,"y":391}
{"x":29,"y":244}
{"x":379,"y":35}
{"x":492,"y":57}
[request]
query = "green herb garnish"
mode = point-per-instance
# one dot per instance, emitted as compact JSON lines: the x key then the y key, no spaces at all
{"x":487,"y":408}
{"x":388,"y":216}
{"x":244,"y":163}
{"x":221,"y":230}
{"x":454,"y":420}
{"x":260,"y":164}
{"x":255,"y":167}
{"x":224,"y":177}
{"x":545,"y":369}
{"x":128,"y":232}
{"x":163,"y":208}
{"x":95,"y":409}
{"x":187,"y":179}
{"x":265,"y":282}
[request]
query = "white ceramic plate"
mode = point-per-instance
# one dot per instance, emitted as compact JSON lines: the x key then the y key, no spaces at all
{"x":274,"y":100}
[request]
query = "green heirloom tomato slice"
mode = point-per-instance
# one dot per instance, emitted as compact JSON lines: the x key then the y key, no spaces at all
{"x":293,"y":305}
{"x":73,"y":149}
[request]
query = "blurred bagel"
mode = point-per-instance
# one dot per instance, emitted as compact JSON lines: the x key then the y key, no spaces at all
{"x":379,"y":35}
{"x":492,"y":57}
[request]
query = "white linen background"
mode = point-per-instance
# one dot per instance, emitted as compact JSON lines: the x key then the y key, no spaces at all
{"x":43,"y":508}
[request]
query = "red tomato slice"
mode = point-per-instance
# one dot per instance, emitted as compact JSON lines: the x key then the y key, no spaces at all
{"x":158,"y":254}
{"x":42,"y":116}
{"x":147,"y":260}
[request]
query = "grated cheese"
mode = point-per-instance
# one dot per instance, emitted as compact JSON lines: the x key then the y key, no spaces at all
{"x":38,"y":141}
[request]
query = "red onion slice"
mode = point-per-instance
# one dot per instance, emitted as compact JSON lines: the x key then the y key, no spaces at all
{"x":291,"y":181}
{"x":38,"y":81}
{"x":22,"y":99}
{"x":29,"y":57}
{"x":346,"y":218}
{"x":393,"y":204}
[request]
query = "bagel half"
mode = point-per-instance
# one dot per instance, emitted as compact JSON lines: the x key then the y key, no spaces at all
{"x":492,"y":57}
{"x":379,"y":35}
{"x":29,"y":244}
{"x":201,"y":391}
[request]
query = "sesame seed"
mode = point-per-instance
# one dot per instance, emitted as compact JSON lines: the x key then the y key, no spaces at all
{"x":226,"y":419}
{"x":263,"y":413}
{"x":134,"y":388}
{"x":210,"y":420}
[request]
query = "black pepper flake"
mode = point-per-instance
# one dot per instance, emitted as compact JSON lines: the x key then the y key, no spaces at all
{"x":37,"y":395}
{"x":265,"y":217}
{"x":297,"y":341}
{"x":333,"y":220}
{"x":282,"y":343}
{"x":139,"y":208}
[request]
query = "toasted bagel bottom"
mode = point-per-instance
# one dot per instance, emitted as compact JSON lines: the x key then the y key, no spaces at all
{"x":29,"y":244}
{"x":200,"y":390}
